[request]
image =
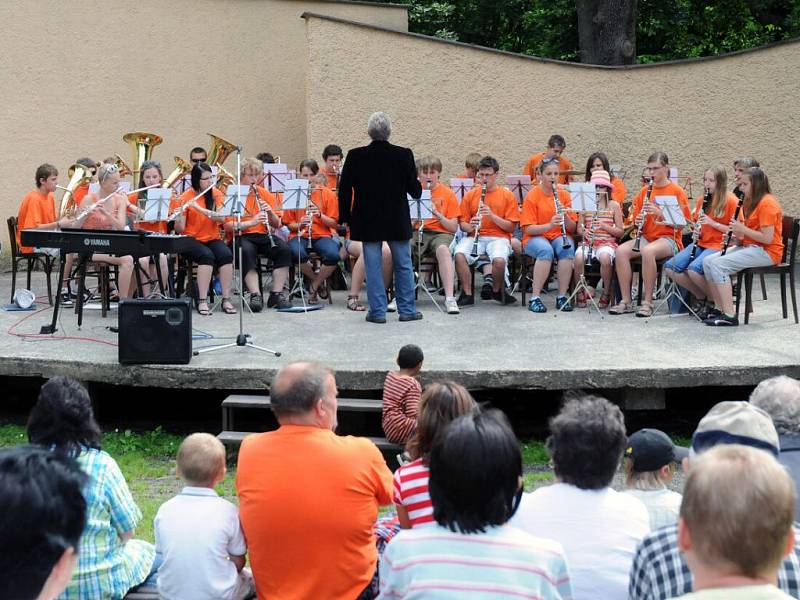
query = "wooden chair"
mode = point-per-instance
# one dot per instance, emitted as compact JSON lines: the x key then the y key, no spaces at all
{"x":32,"y":259}
{"x":790,"y":234}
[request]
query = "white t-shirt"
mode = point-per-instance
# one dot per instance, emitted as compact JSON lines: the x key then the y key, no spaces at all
{"x":195,"y":533}
{"x":664,"y":506}
{"x":599,"y":530}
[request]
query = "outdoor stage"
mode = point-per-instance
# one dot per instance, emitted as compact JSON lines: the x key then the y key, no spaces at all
{"x":487,"y":346}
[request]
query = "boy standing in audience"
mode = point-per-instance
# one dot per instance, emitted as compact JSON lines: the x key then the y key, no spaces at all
{"x":198,"y":534}
{"x":401,"y":393}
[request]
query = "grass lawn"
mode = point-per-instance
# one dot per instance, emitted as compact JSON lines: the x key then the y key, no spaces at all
{"x":147,"y":460}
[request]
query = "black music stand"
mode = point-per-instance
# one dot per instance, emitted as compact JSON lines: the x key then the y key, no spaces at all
{"x":419,"y":206}
{"x":242,"y":338}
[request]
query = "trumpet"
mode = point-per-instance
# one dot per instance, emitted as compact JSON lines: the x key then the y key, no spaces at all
{"x":265,"y":210}
{"x":643,"y":215}
{"x":702,"y":209}
{"x":477,"y":235}
{"x":560,"y":211}
{"x":728,"y":236}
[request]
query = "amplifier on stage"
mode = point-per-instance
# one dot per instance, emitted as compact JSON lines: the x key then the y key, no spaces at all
{"x":155,"y":332}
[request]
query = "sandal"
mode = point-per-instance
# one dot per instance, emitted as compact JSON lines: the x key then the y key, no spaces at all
{"x":645,"y":310}
{"x":605,"y":300}
{"x":227,"y":307}
{"x":312,"y":298}
{"x":621,"y":308}
{"x":202,"y":307}
{"x":580,"y":299}
{"x":354,"y":304}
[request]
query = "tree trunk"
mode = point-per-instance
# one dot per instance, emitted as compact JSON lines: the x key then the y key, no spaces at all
{"x":607,"y":31}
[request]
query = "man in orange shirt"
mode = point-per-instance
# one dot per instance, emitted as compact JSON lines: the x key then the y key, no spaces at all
{"x":555,"y":147}
{"x":495,"y":221}
{"x":308,"y":499}
{"x":332,"y":158}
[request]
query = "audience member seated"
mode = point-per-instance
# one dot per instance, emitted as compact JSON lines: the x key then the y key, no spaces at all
{"x":440,"y":404}
{"x":110,"y":561}
{"x":308,"y":498}
{"x":659,"y":570}
{"x":471,"y":551}
{"x":649,"y":465}
{"x":401,"y":393}
{"x":779,"y":397}
{"x":41,"y":522}
{"x":736,"y":524}
{"x":598,"y":527}
{"x":198,"y":536}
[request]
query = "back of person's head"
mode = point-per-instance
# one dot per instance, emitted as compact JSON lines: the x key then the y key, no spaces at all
{"x":266,"y":158}
{"x":735,"y":422}
{"x":556,"y":141}
{"x":297,"y":387}
{"x":745,"y":162}
{"x":779,"y":397}
{"x":472,"y":160}
{"x":201,"y":459}
{"x":475,"y":472}
{"x":87,"y":162}
{"x":63,"y":418}
{"x":738,"y":508}
{"x":379,"y":126}
{"x":586,"y":441}
{"x":439,"y":405}
{"x":409,"y":356}
{"x":43,"y":515}
{"x":647,"y":452}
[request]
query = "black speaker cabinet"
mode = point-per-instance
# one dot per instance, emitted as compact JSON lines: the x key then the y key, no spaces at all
{"x":155,"y":332}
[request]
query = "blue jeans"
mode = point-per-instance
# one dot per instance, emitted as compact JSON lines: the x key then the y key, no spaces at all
{"x":326,"y":247}
{"x":680,"y":262}
{"x":403,"y":278}
{"x":541,"y":248}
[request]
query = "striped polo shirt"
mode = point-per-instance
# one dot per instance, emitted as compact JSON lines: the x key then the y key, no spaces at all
{"x":411,"y":491}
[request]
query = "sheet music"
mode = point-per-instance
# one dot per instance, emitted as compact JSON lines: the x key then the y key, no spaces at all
{"x":673,"y":174}
{"x":584,"y":196}
{"x":276,"y":168}
{"x":420,"y":209}
{"x":230,"y":207}
{"x":673,"y":215}
{"x":295,"y":194}
{"x":156,"y":205}
{"x":461,"y":186}
{"x":276,"y":181}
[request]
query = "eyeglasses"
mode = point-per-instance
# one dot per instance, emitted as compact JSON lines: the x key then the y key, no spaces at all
{"x":112,"y":169}
{"x":197,"y":160}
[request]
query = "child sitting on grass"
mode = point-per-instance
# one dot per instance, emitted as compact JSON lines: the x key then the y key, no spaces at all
{"x":401,"y":394}
{"x":198,"y":534}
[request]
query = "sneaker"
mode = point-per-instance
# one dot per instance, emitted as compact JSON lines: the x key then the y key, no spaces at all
{"x":451,"y":306}
{"x":504,"y":298}
{"x":392,"y":306}
{"x":465,"y":299}
{"x":536,"y":305}
{"x":67,"y":299}
{"x":256,"y":303}
{"x":486,"y":290}
{"x":563,"y":305}
{"x":707,"y":311}
{"x":278,"y":300}
{"x":722,"y":320}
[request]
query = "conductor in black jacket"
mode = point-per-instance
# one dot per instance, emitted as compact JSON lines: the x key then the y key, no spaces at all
{"x":377,"y":178}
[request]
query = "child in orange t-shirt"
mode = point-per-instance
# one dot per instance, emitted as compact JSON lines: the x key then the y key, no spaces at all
{"x":542,"y":230}
{"x":332,"y":157}
{"x":38,"y":209}
{"x":555,"y":147}
{"x":494,"y":222}
{"x":760,"y":244}
{"x":470,"y":166}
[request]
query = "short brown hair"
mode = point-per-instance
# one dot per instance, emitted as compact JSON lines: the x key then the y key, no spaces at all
{"x":440,"y":403}
{"x":738,"y":505}
{"x":472,"y":160}
{"x":43,"y":172}
{"x":200,"y":458}
{"x":430,"y":163}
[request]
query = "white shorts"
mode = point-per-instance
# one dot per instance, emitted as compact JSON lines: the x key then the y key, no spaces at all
{"x":597,"y":252}
{"x":493,"y":247}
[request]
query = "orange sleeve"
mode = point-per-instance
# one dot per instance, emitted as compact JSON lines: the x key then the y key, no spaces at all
{"x":511,"y":212}
{"x":469,"y":204}
{"x":450,"y":204}
{"x":330,"y":204}
{"x":683,"y":201}
{"x":528,"y":216}
{"x":618,"y":192}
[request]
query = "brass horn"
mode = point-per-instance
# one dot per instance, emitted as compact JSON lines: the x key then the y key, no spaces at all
{"x":224,"y":178}
{"x":142,"y":144}
{"x":124,"y":169}
{"x":220,"y":150}
{"x":181,"y":168}
{"x":78,"y":175}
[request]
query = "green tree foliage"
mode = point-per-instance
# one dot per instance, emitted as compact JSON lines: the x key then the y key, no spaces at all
{"x":666,"y":29}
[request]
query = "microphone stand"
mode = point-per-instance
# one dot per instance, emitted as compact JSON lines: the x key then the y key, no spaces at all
{"x":242,"y":338}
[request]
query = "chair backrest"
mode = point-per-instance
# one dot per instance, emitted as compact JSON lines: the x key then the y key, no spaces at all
{"x":791,"y":232}
{"x":12,"y":236}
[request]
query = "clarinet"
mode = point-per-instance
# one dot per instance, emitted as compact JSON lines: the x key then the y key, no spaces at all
{"x":740,"y":195}
{"x":264,"y":209}
{"x":477,"y":235}
{"x":647,"y":197}
{"x":699,"y":226}
{"x":591,"y":234}
{"x":560,"y":211}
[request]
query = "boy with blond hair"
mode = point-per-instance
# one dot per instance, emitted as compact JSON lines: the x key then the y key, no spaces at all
{"x":198,"y":534}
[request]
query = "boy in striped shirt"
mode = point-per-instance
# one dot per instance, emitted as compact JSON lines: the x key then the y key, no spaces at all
{"x":401,"y":392}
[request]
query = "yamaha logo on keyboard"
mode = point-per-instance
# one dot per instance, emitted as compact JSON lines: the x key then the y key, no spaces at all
{"x":96,"y":242}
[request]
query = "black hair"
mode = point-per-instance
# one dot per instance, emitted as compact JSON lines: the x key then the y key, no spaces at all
{"x":603,"y":158}
{"x":409,"y":356}
{"x":198,"y":150}
{"x":44,"y":514}
{"x":587,"y":438}
{"x":475,"y":470}
{"x":62,"y":418}
{"x":489,"y":162}
{"x":197,"y":172}
{"x":332,"y":150}
{"x":265,"y":157}
{"x":556,"y":140}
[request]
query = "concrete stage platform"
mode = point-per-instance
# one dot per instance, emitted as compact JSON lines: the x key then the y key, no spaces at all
{"x":487,"y":346}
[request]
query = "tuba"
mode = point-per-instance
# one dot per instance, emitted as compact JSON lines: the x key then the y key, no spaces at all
{"x":122,"y":166}
{"x":78,"y":175}
{"x":224,"y":178}
{"x":220,"y":150}
{"x":142,"y":144}
{"x":181,"y":168}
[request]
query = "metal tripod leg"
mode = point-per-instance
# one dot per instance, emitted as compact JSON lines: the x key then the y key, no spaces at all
{"x":582,"y":285}
{"x":672,"y":290}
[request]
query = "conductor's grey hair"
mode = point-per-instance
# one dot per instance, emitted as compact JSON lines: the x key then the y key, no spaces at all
{"x":379,"y":126}
{"x":779,"y":397}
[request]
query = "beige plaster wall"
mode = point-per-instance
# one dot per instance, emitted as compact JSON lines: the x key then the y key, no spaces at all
{"x":451,"y":99}
{"x":77,"y":75}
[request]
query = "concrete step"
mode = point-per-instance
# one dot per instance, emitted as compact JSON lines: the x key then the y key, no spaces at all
{"x":344,"y":404}
{"x":234,"y":438}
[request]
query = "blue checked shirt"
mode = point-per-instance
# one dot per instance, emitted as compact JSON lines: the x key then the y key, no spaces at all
{"x":659,"y":571}
{"x":107,"y":568}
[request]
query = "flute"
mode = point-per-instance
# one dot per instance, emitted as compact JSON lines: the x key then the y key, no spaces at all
{"x":699,"y":226}
{"x":560,"y":211}
{"x":740,"y":195}
{"x":84,"y":213}
{"x":643,"y":215}
{"x":477,"y":235}
{"x":193,"y":202}
{"x":265,"y":210}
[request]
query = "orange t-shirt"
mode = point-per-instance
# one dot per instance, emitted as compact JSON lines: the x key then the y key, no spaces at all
{"x":767,"y":213}
{"x":538,"y":208}
{"x":618,"y":191}
{"x":308,"y":500}
{"x":653,"y":231}
{"x":155,"y":226}
{"x":502,"y":202}
{"x":252,"y":208}
{"x":199,"y":226}
{"x":711,"y":238}
{"x":445,"y":201}
{"x":564,"y":164}
{"x":328,"y":205}
{"x":333,"y":180}
{"x":36,"y":209}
